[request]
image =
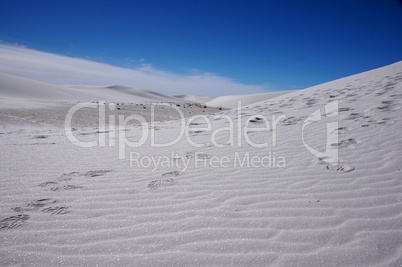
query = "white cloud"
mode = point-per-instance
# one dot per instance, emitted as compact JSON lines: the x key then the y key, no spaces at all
{"x":57,"y":69}
{"x":146,"y":68}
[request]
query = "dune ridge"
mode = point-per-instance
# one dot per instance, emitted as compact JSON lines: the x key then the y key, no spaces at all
{"x":14,"y":90}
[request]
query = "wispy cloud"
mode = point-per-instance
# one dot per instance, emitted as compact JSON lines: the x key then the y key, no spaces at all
{"x":56,"y":69}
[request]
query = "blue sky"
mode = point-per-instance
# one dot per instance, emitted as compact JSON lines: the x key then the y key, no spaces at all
{"x":271,"y":45}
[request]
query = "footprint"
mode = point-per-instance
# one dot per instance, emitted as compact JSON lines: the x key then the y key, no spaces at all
{"x":388,"y":105}
{"x":310,"y":101}
{"x":35,"y":205}
{"x":41,"y":136}
{"x":20,"y":209}
{"x":345,"y":143}
{"x":83,"y":133}
{"x":383,"y":121}
{"x":387,"y":121}
{"x":68,"y":176}
{"x":398,"y":96}
{"x":343,"y":109}
{"x":327,"y":160}
{"x":95,"y":173}
{"x":46,"y":184}
{"x":13,"y":221}
{"x":202,"y":155}
{"x":198,"y":155}
{"x":382,"y":92}
{"x":291,"y":120}
{"x":57,"y":210}
{"x":256,"y":119}
{"x":323,"y":160}
{"x":340,"y":130}
{"x":385,"y":105}
{"x":155,"y":184}
{"x":41,"y":202}
{"x":65,"y":187}
{"x":343,"y":168}
{"x":172,"y":173}
{"x":354,"y":116}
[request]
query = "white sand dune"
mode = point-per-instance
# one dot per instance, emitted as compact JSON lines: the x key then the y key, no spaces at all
{"x":231,"y":101}
{"x":22,"y":88}
{"x":66,"y":205}
{"x":120,"y":93}
{"x":14,"y":89}
{"x":195,"y":98}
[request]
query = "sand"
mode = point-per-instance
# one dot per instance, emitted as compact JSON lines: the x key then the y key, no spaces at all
{"x":221,"y":201}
